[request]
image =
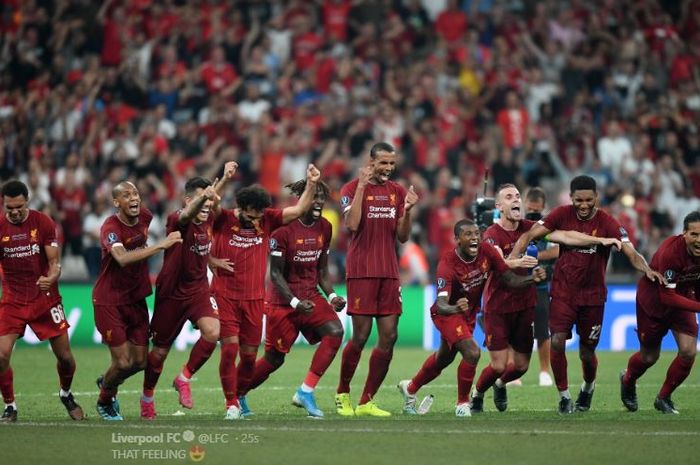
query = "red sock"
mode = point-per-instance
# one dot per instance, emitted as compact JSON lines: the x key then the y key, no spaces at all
{"x":635,"y":369}
{"x":487,"y":377}
{"x":348,"y":365}
{"x":201,"y":352}
{"x":676,"y":374}
{"x":154,"y":367}
{"x":228,"y":374}
{"x":65,"y":373}
{"x":324,"y":355}
{"x":246,"y":369}
{"x":106,"y":395}
{"x":263,"y":370}
{"x":6,"y":386}
{"x":378,"y":367}
{"x":590,"y":368}
{"x":428,"y":372}
{"x":559,"y":366}
{"x":465,"y":377}
{"x":511,"y":374}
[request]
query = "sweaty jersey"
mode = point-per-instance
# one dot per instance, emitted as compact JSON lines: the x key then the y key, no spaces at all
{"x":184,"y":272}
{"x":579,"y":276}
{"x":301,"y":246}
{"x":457,"y":278}
{"x":498,"y":297}
{"x":247,"y":249}
{"x":23,"y":257}
{"x":681,"y":270}
{"x":372,"y":248}
{"x":117,"y":285}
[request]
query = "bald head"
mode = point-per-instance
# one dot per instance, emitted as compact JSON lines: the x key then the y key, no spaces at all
{"x":121,"y":187}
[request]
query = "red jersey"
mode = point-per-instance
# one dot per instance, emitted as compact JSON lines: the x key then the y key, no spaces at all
{"x":681,"y":270}
{"x":457,"y":278}
{"x":117,"y":285}
{"x":372,"y":248}
{"x":23,"y":257}
{"x":498,"y":297}
{"x":579,"y":276}
{"x":184,"y":272}
{"x":247,"y":248}
{"x":301,"y":247}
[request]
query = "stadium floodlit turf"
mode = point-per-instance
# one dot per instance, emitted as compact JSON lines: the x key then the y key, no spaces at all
{"x":529,"y":432}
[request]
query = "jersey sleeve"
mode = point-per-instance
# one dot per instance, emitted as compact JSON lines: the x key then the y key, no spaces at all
{"x":273,"y":218}
{"x":110,"y":236}
{"x":554,"y":220}
{"x":278,"y":243}
{"x":49,"y":237}
{"x":400,"y":200}
{"x":497,"y":262}
{"x":444,"y":278}
{"x":347,"y":193}
{"x":614,"y":229}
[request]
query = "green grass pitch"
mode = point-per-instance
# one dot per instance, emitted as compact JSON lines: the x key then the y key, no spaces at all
{"x":529,"y":432}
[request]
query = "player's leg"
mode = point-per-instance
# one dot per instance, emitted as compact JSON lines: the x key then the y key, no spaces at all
{"x":650,"y":332}
{"x":250,"y":338}
{"x":465,"y":375}
{"x":387,"y":332}
{"x":65,"y":366}
{"x":230,"y":326}
{"x":7,"y":343}
{"x":497,"y":343}
{"x":120,"y":368}
{"x":542,"y":336}
{"x":678,"y":371}
{"x":431,"y":369}
{"x":521,"y":339}
{"x":589,"y":325}
{"x":361,"y":328}
{"x":562,"y":317}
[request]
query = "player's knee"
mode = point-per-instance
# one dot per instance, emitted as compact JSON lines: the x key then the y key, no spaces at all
{"x":558,"y":342}
{"x":336,"y":332}
{"x":359,"y":340}
{"x":274,"y":358}
{"x":4,"y":359}
{"x":688,"y":355}
{"x":65,"y":358}
{"x":472,"y":355}
{"x":123,"y":363}
{"x":498,"y":366}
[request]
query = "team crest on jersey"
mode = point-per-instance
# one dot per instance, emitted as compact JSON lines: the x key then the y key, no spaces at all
{"x":344,"y":201}
{"x":623,"y":232}
{"x":112,"y":238}
{"x":300,"y":241}
{"x":459,"y":330}
{"x":320,"y":240}
{"x":490,"y":241}
{"x":6,"y":238}
{"x":273,"y":243}
{"x":392,"y":199}
{"x":370,"y":197}
{"x":441,"y":283}
{"x":485,"y":266}
{"x":33,"y":235}
{"x":235,"y":228}
{"x":594,"y":232}
{"x":670,"y":275}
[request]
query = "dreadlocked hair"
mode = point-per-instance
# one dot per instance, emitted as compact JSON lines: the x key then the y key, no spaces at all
{"x":297,"y":188}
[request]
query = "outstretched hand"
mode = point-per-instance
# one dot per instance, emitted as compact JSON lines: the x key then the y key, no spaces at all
{"x":312,"y":173}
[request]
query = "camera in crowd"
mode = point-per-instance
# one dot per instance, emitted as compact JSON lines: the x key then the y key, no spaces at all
{"x":484,"y":212}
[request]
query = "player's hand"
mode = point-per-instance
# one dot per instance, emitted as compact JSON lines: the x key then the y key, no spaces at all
{"x":611,"y":242}
{"x":173,"y":238}
{"x":411,"y":199}
{"x":364,"y":176}
{"x":305,"y":306}
{"x":462,"y":304}
{"x":210,"y":192}
{"x":338,"y":303}
{"x":44,"y":283}
{"x":539,"y":274}
{"x":527,"y":261}
{"x":312,"y":174}
{"x":223,"y":263}
{"x":230,"y":169}
{"x":656,"y":276}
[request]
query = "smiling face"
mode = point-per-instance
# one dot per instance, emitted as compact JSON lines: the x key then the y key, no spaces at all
{"x":585,"y":201}
{"x":692,"y":238}
{"x":509,"y":204}
{"x":468,"y":240}
{"x":127,"y":201}
{"x":383,"y":165}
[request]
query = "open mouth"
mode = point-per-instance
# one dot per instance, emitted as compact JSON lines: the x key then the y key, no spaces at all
{"x":384,"y":177}
{"x":134,"y":208}
{"x":316,"y":212}
{"x":473,"y":247}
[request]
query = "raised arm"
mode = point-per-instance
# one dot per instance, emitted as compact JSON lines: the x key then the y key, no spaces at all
{"x":307,"y":197}
{"x":353,"y":216}
{"x":403,"y":231}
{"x":536,"y":232}
{"x":192,"y":209}
{"x":126,"y":257}
{"x":640,"y":264}
{"x":229,"y":172}
{"x":579,"y":239}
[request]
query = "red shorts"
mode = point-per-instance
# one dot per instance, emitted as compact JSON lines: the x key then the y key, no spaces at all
{"x":242,"y":318}
{"x":170,"y":315}
{"x":587,"y":318}
{"x":45,"y":317}
{"x":514,"y":329}
{"x":374,"y":296}
{"x":456,"y":327}
{"x":120,"y":323}
{"x":284,"y":324}
{"x":651,"y":329}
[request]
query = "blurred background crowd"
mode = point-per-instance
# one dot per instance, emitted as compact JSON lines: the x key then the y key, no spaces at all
{"x":535,"y":92}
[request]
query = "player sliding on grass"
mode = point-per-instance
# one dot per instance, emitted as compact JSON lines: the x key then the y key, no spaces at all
{"x":298,"y":266}
{"x":661,"y":308}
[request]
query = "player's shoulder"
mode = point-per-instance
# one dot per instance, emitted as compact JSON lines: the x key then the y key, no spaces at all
{"x":145,"y":215}
{"x":37,"y":217}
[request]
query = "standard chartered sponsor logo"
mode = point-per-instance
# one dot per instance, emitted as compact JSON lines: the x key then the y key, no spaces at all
{"x":21,"y":251}
{"x":244,"y":242}
{"x":200,"y":249}
{"x":307,"y":255}
{"x":381,"y":212}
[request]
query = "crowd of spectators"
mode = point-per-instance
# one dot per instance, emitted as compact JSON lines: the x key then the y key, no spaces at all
{"x":535,"y":92}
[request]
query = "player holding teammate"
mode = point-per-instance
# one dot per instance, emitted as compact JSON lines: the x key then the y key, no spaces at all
{"x":30,"y":260}
{"x":241,"y":249}
{"x":119,"y":295}
{"x":578,"y":292}
{"x":377,"y":212}
{"x":182,"y":289}
{"x":661,"y":308}
{"x":298,"y":266}
{"x":461,"y":276}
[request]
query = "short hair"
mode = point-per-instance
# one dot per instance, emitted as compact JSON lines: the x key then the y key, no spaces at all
{"x":195,"y":183}
{"x":120,"y":187}
{"x":255,"y":197}
{"x":692,"y":217}
{"x":297,"y":188}
{"x":14,"y":188}
{"x":583,"y":183}
{"x":461,"y":223}
{"x":504,"y":186}
{"x":381,"y":147}
{"x":536,"y":194}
